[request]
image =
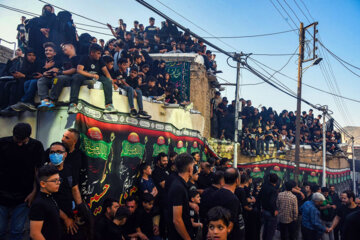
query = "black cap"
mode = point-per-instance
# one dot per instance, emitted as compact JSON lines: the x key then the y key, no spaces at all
{"x":133,"y":68}
{"x":152,"y":19}
{"x":225,"y":99}
{"x":208,"y":52}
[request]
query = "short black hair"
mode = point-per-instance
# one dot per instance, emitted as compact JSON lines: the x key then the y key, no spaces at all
{"x":47,"y":171}
{"x":152,"y":19}
{"x":147,"y":197}
{"x":22,"y":131}
{"x":49,"y":44}
{"x":349,"y":194}
{"x":183,"y":161}
{"x":75,"y":132}
{"x":193,"y":193}
{"x":108,"y":202}
{"x":101,"y":40}
{"x":219,"y":213}
{"x":152,"y":79}
{"x":194,"y":153}
{"x":172,"y":154}
{"x":218,"y":175}
{"x":122,"y":60}
{"x":243,"y":178}
{"x":231,"y":175}
{"x":107,"y":59}
{"x":223,"y":161}
{"x":273,"y":178}
{"x":160,"y":155}
{"x":60,"y":144}
{"x":130,"y":199}
{"x":94,"y":47}
{"x":145,"y":66}
{"x":142,"y":167}
{"x":289,"y":185}
{"x":122,"y":213}
{"x":314,"y":188}
{"x":324,"y":189}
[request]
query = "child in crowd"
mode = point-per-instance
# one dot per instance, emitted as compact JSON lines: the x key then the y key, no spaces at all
{"x":192,"y":184}
{"x":149,"y":218}
{"x":219,"y":223}
{"x":195,"y":219}
{"x":113,"y":229}
{"x":146,"y":184}
{"x":260,"y":137}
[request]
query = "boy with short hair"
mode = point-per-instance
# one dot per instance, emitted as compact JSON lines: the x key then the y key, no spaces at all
{"x":113,"y":229}
{"x":93,"y":68}
{"x":132,"y":86}
{"x":44,"y":212}
{"x":195,"y":219}
{"x":219,"y":223}
{"x":149,"y":217}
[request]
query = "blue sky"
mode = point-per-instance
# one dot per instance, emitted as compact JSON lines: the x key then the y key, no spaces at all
{"x":337,"y":27}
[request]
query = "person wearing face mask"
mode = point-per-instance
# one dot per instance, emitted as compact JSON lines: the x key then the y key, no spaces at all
{"x":21,"y":156}
{"x":69,"y":189}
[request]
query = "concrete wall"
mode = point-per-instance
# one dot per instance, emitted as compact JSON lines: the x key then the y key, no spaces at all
{"x":5,"y":54}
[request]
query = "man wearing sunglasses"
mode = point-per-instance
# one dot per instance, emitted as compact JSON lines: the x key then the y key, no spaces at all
{"x":69,"y":189}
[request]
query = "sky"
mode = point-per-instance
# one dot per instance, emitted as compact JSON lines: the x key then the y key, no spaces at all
{"x":338,"y":31}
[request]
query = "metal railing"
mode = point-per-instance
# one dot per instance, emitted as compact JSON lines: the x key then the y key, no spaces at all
{"x":14,"y":43}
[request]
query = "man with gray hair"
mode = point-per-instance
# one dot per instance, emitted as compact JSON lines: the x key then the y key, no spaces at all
{"x":311,"y":226}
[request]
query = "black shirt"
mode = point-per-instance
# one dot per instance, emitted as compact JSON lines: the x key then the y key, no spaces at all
{"x":228,"y":200}
{"x":64,"y":197}
{"x":132,"y":223}
{"x":133,"y":82}
{"x":351,"y":226}
{"x":146,"y":221}
{"x":178,"y":196}
{"x":69,"y":63}
{"x":17,"y":169}
{"x":268,"y":197}
{"x":105,"y":229}
{"x":158,"y":175}
{"x":57,"y":64}
{"x":44,"y":208}
{"x":343,"y":212}
{"x":206,"y":201}
{"x":91,"y":65}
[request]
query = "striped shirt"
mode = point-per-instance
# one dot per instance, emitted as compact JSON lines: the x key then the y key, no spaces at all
{"x":287,"y":207}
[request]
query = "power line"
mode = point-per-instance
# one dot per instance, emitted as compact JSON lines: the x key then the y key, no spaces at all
{"x":257,"y":35}
{"x":281,"y":14}
{"x":302,"y":11}
{"x":310,"y":86}
{"x":287,"y":13}
{"x":292,"y":11}
{"x":195,"y":24}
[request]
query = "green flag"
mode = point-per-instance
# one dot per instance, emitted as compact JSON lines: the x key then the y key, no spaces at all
{"x":95,"y":149}
{"x":160,"y":148}
{"x":132,"y":149}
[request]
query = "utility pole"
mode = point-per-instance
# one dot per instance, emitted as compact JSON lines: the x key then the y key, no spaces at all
{"x":236,"y":111}
{"x":353,"y":165}
{"x":324,"y":110}
{"x":298,"y":101}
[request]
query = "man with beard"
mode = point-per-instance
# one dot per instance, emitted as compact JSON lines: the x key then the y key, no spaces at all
{"x":110,"y":206}
{"x":336,"y":200}
{"x":348,"y":206}
{"x":160,"y":176}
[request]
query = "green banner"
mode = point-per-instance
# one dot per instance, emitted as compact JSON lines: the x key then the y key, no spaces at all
{"x":95,"y":148}
{"x":160,"y":148}
{"x":180,"y":76}
{"x":132,"y":149}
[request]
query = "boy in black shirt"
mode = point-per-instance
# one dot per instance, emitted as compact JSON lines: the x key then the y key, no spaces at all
{"x":62,"y":77}
{"x":44,"y":212}
{"x":268,"y":138}
{"x":113,"y":230}
{"x":149,"y":217}
{"x":132,"y":86}
{"x":92,"y":68}
{"x":260,"y":137}
{"x":151,"y":89}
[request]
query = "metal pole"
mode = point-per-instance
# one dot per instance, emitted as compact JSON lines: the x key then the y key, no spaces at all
{"x":353,"y":164}
{"x":324,"y":148}
{"x":236,"y":113}
{"x":298,"y":105}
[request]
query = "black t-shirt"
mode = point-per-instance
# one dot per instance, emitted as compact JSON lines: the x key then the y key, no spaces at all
{"x":146,"y":221}
{"x":178,"y":196}
{"x":192,"y":186}
{"x":17,"y":169}
{"x":133,"y":82}
{"x":101,"y":224}
{"x":351,"y":226}
{"x":228,"y":200}
{"x":343,"y":212}
{"x":206,"y":201}
{"x":57,"y":64}
{"x":132,"y":222}
{"x":64,"y":197}
{"x":44,"y":208}
{"x":241,"y":195}
{"x":91,"y":65}
{"x":151,"y":31}
{"x":158,"y":175}
{"x":69,"y":63}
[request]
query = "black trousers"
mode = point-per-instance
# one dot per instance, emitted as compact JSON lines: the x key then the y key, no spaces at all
{"x":309,"y":234}
{"x":288,"y":230}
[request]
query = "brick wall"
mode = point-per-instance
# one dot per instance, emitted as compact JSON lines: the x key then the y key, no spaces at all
{"x":5,"y":54}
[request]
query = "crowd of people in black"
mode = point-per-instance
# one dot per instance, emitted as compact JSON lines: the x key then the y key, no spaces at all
{"x":178,"y":197}
{"x":52,"y":55}
{"x":263,"y":127}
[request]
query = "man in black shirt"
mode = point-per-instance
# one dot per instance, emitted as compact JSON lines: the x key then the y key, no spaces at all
{"x":59,"y":79}
{"x":225,"y":197}
{"x":268,"y":197}
{"x":132,"y":86}
{"x":149,"y":217}
{"x":151,"y":30}
{"x":92,"y":68}
{"x":20,"y":36}
{"x":352,"y":226}
{"x":151,"y":89}
{"x":180,"y":226}
{"x":20,"y":157}
{"x":44,"y":213}
{"x":110,"y":206}
{"x":348,"y":206}
{"x":206,"y":176}
{"x":132,"y":225}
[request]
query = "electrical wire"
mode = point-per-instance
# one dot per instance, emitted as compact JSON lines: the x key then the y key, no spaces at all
{"x":302,"y":11}
{"x":305,"y":84}
{"x":194,"y":24}
{"x":281,"y":14}
{"x":287,"y":13}
{"x":257,"y":35}
{"x":292,"y":11}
